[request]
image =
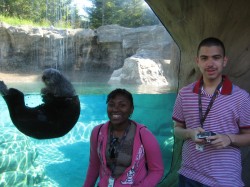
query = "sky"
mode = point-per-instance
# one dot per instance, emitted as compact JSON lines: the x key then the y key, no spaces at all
{"x":80,"y":4}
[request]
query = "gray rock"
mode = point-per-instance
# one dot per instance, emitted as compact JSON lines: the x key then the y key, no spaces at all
{"x":139,"y":71}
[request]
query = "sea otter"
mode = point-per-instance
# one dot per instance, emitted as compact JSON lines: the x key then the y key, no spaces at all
{"x":52,"y":119}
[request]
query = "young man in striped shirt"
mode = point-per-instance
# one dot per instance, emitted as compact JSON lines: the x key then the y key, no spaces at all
{"x":216,"y":106}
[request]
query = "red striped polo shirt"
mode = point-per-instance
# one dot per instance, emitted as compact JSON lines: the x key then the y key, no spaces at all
{"x":229,"y":113}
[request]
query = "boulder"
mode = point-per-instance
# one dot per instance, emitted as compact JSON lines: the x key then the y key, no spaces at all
{"x":139,"y":71}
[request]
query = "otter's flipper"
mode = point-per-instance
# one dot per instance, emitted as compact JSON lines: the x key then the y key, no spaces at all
{"x":45,"y":121}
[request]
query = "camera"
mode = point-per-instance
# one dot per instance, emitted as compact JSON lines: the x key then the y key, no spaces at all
{"x":204,"y":135}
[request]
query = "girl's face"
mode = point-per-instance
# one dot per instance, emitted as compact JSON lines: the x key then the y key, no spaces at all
{"x":119,"y":110}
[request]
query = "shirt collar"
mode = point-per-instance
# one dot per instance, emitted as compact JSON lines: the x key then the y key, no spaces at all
{"x":226,"y":87}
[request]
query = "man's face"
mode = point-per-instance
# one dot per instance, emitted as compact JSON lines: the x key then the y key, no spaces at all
{"x":211,"y":62}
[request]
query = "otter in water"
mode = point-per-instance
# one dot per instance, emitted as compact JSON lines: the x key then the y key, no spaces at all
{"x":52,"y":119}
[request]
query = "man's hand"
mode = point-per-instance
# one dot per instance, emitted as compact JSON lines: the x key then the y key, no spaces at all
{"x":181,"y":132}
{"x":220,"y":141}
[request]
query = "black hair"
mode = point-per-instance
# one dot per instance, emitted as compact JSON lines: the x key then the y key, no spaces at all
{"x":211,"y":41}
{"x":122,"y":92}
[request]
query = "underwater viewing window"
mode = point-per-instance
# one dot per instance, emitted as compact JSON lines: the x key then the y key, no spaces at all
{"x":98,"y":51}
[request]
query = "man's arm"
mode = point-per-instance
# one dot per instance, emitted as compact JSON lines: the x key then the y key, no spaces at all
{"x":242,"y":139}
{"x":223,"y":140}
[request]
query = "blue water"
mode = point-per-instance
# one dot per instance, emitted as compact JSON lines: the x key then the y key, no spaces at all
{"x":65,"y":159}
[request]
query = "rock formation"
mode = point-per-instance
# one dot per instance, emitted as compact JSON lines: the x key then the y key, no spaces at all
{"x":27,"y":49}
{"x":152,"y":58}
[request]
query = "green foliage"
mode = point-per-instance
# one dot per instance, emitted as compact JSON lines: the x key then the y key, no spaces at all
{"x":60,"y":13}
{"x":15,"y":21}
{"x":127,"y":13}
{"x":51,"y":12}
{"x":45,"y":23}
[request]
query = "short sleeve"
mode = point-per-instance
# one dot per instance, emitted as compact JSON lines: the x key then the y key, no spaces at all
{"x":178,"y":110}
{"x":244,"y":115}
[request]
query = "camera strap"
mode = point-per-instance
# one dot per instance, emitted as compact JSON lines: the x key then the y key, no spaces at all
{"x":117,"y":149}
{"x":216,"y":92}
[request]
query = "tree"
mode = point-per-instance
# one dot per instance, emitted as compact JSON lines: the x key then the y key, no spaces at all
{"x":54,"y":11}
{"x":127,"y":13}
{"x":18,"y":8}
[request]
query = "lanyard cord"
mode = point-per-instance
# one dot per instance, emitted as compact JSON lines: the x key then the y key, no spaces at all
{"x":216,"y":92}
{"x":113,"y":166}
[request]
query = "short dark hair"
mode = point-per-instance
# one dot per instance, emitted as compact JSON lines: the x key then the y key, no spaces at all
{"x":211,"y":41}
{"x":122,"y":92}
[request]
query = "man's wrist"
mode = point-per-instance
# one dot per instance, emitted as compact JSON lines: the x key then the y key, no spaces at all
{"x":230,"y":139}
{"x":188,"y":134}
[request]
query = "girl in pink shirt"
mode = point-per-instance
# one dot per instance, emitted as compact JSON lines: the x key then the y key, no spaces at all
{"x":123,"y":153}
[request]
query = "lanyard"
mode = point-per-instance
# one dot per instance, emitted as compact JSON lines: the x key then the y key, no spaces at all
{"x":113,"y":166}
{"x":216,"y":92}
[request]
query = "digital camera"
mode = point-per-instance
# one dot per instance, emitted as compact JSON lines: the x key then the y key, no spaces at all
{"x":204,"y":135}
